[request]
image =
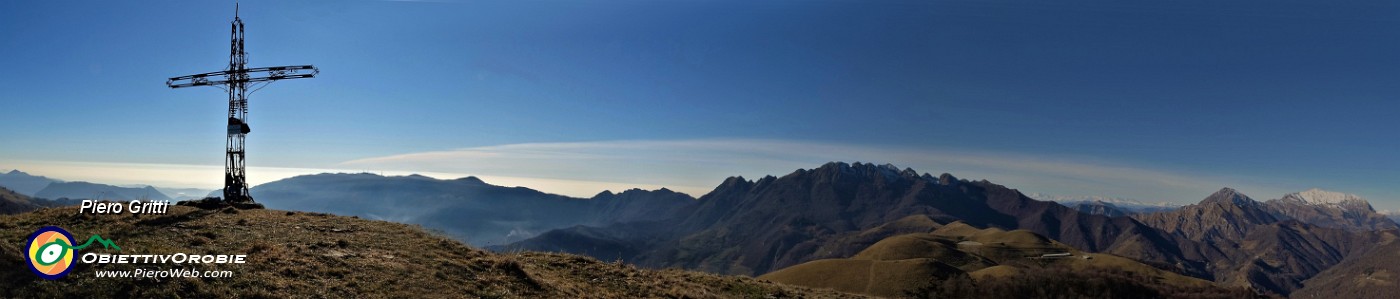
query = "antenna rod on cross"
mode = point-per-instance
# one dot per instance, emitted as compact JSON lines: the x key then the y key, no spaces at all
{"x":237,"y":80}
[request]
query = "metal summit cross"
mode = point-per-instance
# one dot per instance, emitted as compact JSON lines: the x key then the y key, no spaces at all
{"x":236,"y":80}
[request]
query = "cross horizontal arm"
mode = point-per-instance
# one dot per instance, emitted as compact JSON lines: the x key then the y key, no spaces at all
{"x":251,"y":75}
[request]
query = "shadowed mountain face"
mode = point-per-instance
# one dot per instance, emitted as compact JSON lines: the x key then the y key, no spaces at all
{"x":466,"y":208}
{"x":85,"y":190}
{"x":24,"y":183}
{"x":1225,"y":215}
{"x":753,"y":227}
{"x":14,"y":203}
{"x":1374,"y":273}
{"x":1245,"y":242}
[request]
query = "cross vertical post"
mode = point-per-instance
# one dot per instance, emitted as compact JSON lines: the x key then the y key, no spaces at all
{"x":236,"y":80}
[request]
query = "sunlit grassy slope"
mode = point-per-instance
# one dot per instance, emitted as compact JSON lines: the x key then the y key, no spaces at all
{"x":311,"y":255}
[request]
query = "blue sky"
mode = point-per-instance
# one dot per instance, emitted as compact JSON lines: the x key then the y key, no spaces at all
{"x":1153,"y":100}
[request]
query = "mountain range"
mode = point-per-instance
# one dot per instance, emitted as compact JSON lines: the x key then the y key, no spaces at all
{"x":466,"y":208}
{"x":1103,"y":205}
{"x":1249,"y":243}
{"x":752,"y":227}
{"x":817,"y":227}
{"x":35,"y":186}
{"x":86,"y":190}
{"x":1330,"y":209}
{"x":755,"y":227}
{"x":24,"y":183}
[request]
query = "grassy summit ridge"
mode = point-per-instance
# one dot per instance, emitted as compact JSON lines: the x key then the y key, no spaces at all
{"x":313,"y":255}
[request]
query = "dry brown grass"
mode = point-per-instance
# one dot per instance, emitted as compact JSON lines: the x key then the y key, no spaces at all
{"x":312,"y":255}
{"x":902,"y":264}
{"x":874,"y":277}
{"x":994,"y":272}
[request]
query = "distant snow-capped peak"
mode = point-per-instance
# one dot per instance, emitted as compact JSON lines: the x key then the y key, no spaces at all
{"x":1106,"y":199}
{"x":1317,"y":196}
{"x":890,"y":167}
